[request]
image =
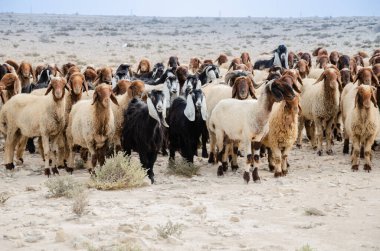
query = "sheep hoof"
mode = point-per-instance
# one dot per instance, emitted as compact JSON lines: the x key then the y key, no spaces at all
{"x":220,"y":171}
{"x":319,"y":152}
{"x":234,"y":168}
{"x":9,"y":166}
{"x":249,"y":159}
{"x":287,"y":164}
{"x":284,"y":172}
{"x":330,"y":152}
{"x":271,"y":168}
{"x":315,"y":148}
{"x":367,"y":168}
{"x":246,"y":176}
{"x":211,"y":158}
{"x":55,"y":170}
{"x":225,"y":166}
{"x":299,"y":146}
{"x":21,"y":160}
{"x":50,"y":162}
{"x":355,"y":168}
{"x":47,"y":172}
{"x":204,"y":154}
{"x":255,"y":175}
{"x":339,"y":137}
{"x":69,"y":170}
{"x":277,"y":174}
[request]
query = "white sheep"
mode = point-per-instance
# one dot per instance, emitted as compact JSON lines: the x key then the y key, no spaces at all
{"x":25,"y":116}
{"x":243,"y":121}
{"x":361,"y":120}
{"x":320,"y":104}
{"x":92,"y":126}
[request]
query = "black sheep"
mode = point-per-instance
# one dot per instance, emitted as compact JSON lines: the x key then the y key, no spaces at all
{"x":123,"y":72}
{"x":143,"y":129}
{"x":280,"y":58}
{"x":187,"y":121}
{"x":209,"y":73}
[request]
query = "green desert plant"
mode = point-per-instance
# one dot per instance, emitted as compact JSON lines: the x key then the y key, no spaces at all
{"x":182,"y":168}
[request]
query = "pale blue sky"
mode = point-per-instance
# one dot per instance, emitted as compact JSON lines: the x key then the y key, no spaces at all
{"x":203,"y":8}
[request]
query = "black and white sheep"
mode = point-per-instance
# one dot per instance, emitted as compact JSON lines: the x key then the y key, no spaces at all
{"x":280,"y":58}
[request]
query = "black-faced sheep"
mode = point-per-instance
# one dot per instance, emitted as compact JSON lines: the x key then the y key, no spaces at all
{"x":187,"y":121}
{"x":123,"y":72}
{"x":280,"y":58}
{"x":142,"y":130}
{"x":209,"y":74}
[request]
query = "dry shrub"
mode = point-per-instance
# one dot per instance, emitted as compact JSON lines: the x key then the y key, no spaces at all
{"x":80,"y":203}
{"x":170,"y":229}
{"x":63,"y":186}
{"x":4,"y":196}
{"x":118,"y":172}
{"x":182,"y":168}
{"x":306,"y":248}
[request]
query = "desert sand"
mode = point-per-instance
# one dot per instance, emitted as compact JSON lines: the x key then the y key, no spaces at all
{"x":216,"y":213}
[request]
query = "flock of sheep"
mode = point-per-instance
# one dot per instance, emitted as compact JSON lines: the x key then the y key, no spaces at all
{"x":258,"y":109}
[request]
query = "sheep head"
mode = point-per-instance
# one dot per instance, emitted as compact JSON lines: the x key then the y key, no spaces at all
{"x":279,"y":90}
{"x":334,"y":57}
{"x":234,"y":62}
{"x":25,"y":71}
{"x":194,"y":64}
{"x":66,"y":67}
{"x":245,"y":58}
{"x":192,"y":83}
{"x":157,"y":106}
{"x":136,"y":89}
{"x":322,"y":61}
{"x":173,"y":62}
{"x":122,"y":87}
{"x":366,"y":76}
{"x":376,"y":70}
{"x":90,"y":75}
{"x":307,"y":57}
{"x":242,"y":88}
{"x":103,"y":94}
{"x":57,"y":85}
{"x":303,"y":68}
{"x":182,"y":72}
{"x":77,"y":83}
{"x":331,"y":77}
{"x":105,"y":75}
{"x":364,"y":96}
{"x":144,"y":66}
{"x":195,"y":104}
{"x":222,"y":59}
{"x":158,"y":70}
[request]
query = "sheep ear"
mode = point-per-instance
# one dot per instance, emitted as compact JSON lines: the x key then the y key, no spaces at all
{"x":116,"y":89}
{"x":252,"y":89}
{"x":166,"y":92}
{"x":299,"y":109}
{"x":204,"y":108}
{"x":299,"y":79}
{"x":49,"y":88}
{"x":114,"y":99}
{"x":152,"y":110}
{"x":373,"y":97}
{"x":199,"y":85}
{"x":295,"y":87}
{"x":322,"y":77}
{"x":190,"y":108}
{"x":211,"y":75}
{"x":286,"y":60}
{"x":234,"y":90}
{"x":375,"y":81}
{"x":307,"y":69}
{"x":94,"y":97}
{"x":276,"y":61}
{"x":164,"y":114}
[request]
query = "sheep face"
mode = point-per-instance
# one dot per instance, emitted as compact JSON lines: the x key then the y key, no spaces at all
{"x":331,"y":76}
{"x":122,"y":87}
{"x":172,"y":84}
{"x":105,"y":75}
{"x":212,"y":73}
{"x":376,"y":70}
{"x":346,"y":76}
{"x":303,"y":68}
{"x":280,"y":91}
{"x":90,"y":75}
{"x":122,"y":72}
{"x":66,"y":67}
{"x":77,"y":83}
{"x":245,"y":58}
{"x":192,"y":83}
{"x":334,"y":57}
{"x":194,"y":63}
{"x":242,"y":88}
{"x":365,"y":95}
{"x":182,"y":73}
{"x":195,"y":105}
{"x":307,"y":57}
{"x":103,"y":95}
{"x":222,"y":59}
{"x":57,"y":85}
{"x":158,"y":70}
{"x":322,"y":61}
{"x":343,"y":62}
{"x":136,"y":89}
{"x":367,"y":77}
{"x":173,"y":62}
{"x":144,"y":66}
{"x":25,"y":70}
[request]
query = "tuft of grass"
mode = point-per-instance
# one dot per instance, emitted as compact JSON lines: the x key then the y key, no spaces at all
{"x":169,"y":229}
{"x":63,"y":186}
{"x":314,"y":212}
{"x":182,"y":168}
{"x":305,"y":248}
{"x":4,"y":196}
{"x":80,"y":203}
{"x":118,"y":172}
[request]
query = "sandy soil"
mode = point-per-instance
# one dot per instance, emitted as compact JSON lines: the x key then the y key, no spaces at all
{"x":216,"y":213}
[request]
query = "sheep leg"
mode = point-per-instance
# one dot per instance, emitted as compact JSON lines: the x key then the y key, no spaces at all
{"x":222,"y":156}
{"x":329,"y":137}
{"x":355,"y":153}
{"x":204,"y":142}
{"x":301,"y":123}
{"x":368,"y":152}
{"x":212,"y":156}
{"x":91,"y":162}
{"x":30,"y":146}
{"x":234,"y":164}
{"x":249,"y":162}
{"x":270,"y":160}
{"x":53,"y":153}
{"x":45,"y":145}
{"x":277,"y":162}
{"x":310,"y":133}
{"x":319,"y":136}
{"x":10,"y":144}
{"x":20,"y":149}
{"x":284,"y":161}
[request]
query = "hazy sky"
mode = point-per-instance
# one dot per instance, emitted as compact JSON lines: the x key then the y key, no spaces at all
{"x":203,"y":8}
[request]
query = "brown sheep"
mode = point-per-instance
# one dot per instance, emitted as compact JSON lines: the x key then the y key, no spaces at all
{"x":105,"y":75}
{"x":376,"y":70}
{"x":363,"y":54}
{"x":90,"y":75}
{"x":303,"y":68}
{"x":221,"y":59}
{"x":346,"y":76}
{"x":13,"y":64}
{"x":71,"y":71}
{"x":322,"y":61}
{"x":353,"y":66}
{"x":366,"y":76}
{"x":9,"y":86}
{"x":121,"y":87}
{"x":66,"y":67}
{"x":234,"y":62}
{"x":319,"y":52}
{"x":144,"y":66}
{"x":375,"y":59}
{"x":207,"y":61}
{"x":24,"y":72}
{"x":242,"y":88}
{"x":38,"y":70}
{"x":173,"y":62}
{"x":359,"y":60}
{"x":245,"y":58}
{"x":182,"y":72}
{"x":334,"y":57}
{"x":194,"y":64}
{"x":292,"y":59}
{"x":307,"y":57}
